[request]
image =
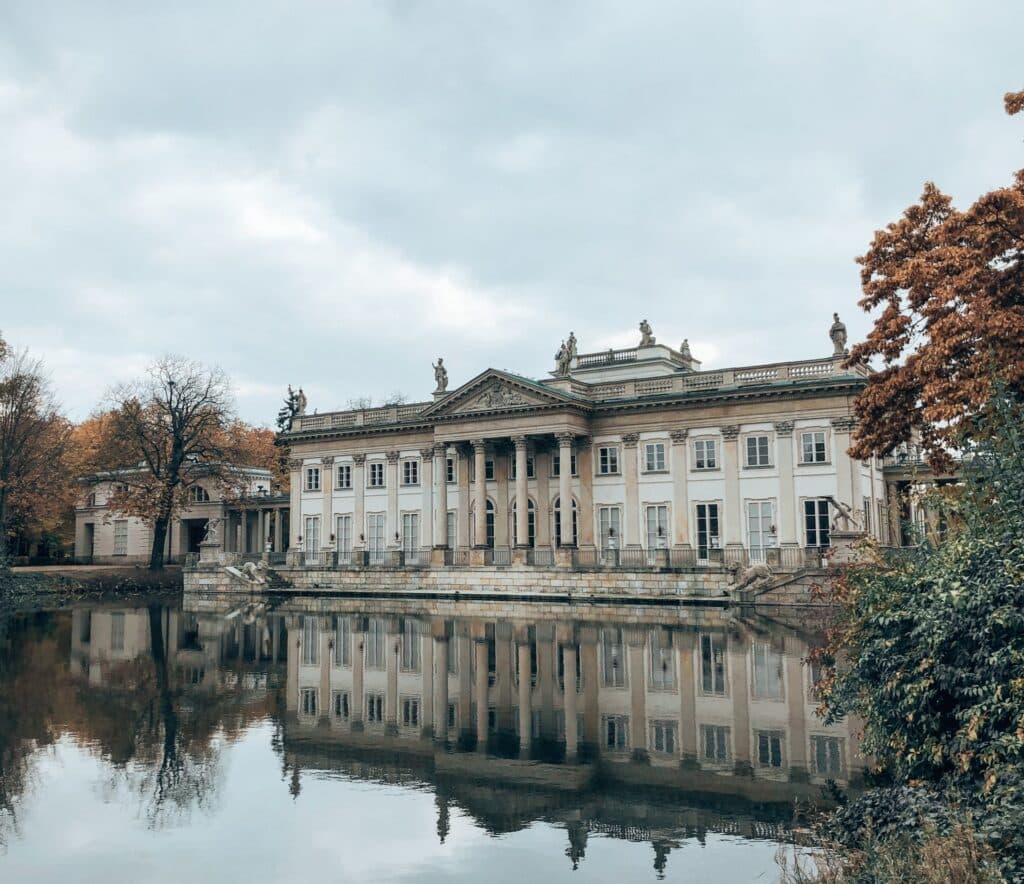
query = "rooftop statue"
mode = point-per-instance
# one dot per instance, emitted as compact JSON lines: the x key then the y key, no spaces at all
{"x":562,"y":360}
{"x":571,"y":345}
{"x":838,"y":334}
{"x":646,"y":338}
{"x":440,"y":376}
{"x":684,"y":349}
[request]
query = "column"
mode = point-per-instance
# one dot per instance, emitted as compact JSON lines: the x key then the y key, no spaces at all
{"x":293,"y":650}
{"x":787,"y":515}
{"x":295,"y":501}
{"x":565,"y":488}
{"x":440,"y":497}
{"x":503,"y":665}
{"x":522,"y":494}
{"x":358,"y":659}
{"x":480,"y":689}
{"x":631,"y":514}
{"x":733,"y":502}
{"x":637,"y":693}
{"x":546,"y":650}
{"x":359,"y":506}
{"x":680,"y":492}
{"x":327,"y":525}
{"x":542,"y":517}
{"x":525,"y":691}
{"x":427,"y":679}
{"x":892,"y":512}
{"x":502,"y":472}
{"x":588,"y":666}
{"x":795,"y":697}
{"x":393,"y":520}
{"x":326,"y":658}
{"x":585,"y":465}
{"x":427,"y":520}
{"x":847,"y":484}
{"x":739,"y":684}
{"x":465,"y":682}
{"x":479,"y":494}
{"x":440,"y":639}
{"x":278,"y":531}
{"x":569,"y":700}
{"x":684,"y":643}
{"x":462,"y":469}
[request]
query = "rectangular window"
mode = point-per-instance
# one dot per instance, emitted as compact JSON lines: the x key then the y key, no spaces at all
{"x":411,"y":711}
{"x":613,"y":659}
{"x":345,"y":476}
{"x":556,"y":465}
{"x":449,"y":468}
{"x":715,"y":743}
{"x":769,"y":748}
{"x":705,"y":456}
{"x":608,"y":460}
{"x":760,"y":528}
{"x":664,"y":737}
{"x":375,"y":707}
{"x":311,"y":542}
{"x":812,"y":447}
{"x":663,"y":667}
{"x":117,"y":631}
{"x":343,"y":538}
{"x":121,"y":537}
{"x":489,"y":470}
{"x":375,"y":541}
{"x":341,"y":705}
{"x":452,"y":529}
{"x":410,"y":472}
{"x":616,"y":731}
{"x":375,"y":643}
{"x":343,"y":642}
{"x":654,"y":457}
{"x":309,"y":702}
{"x":609,"y":521}
{"x":312,"y":478}
{"x":376,"y":475}
{"x":867,"y":514}
{"x":712,"y":664}
{"x":657,"y":527}
{"x":409,"y":659}
{"x":816,"y":527}
{"x":530,"y":468}
{"x":767,"y":665}
{"x":707,"y":529}
{"x":310,"y":641}
{"x":453,"y":716}
{"x":827,"y":755}
{"x":757,"y":451}
{"x":410,"y":532}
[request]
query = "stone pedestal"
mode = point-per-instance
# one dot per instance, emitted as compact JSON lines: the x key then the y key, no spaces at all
{"x":210,"y":553}
{"x":437,"y":555}
{"x":845,"y":546}
{"x":519,"y":555}
{"x":563,"y":556}
{"x":477,"y":555}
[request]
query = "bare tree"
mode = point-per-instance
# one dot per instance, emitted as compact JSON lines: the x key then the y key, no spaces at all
{"x":169,"y":430}
{"x":33,"y":438}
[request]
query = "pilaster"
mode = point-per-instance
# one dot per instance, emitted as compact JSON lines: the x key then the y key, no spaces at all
{"x":393,"y":527}
{"x":788,"y":526}
{"x":631,"y":516}
{"x":680,"y":492}
{"x":733,"y":501}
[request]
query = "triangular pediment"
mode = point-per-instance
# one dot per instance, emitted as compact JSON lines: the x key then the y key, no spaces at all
{"x":497,"y":391}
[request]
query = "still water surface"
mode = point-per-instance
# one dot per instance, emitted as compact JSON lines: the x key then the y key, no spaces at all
{"x":303,"y":740}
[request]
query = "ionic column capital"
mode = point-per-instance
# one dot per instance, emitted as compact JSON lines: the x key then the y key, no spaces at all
{"x":479,"y":445}
{"x":358,"y":459}
{"x":327,"y":461}
{"x":519,"y":442}
{"x":630,"y":440}
{"x":583,"y":442}
{"x":427,"y":453}
{"x":441,"y":449}
{"x":565,"y":440}
{"x":294,"y":464}
{"x":730,"y":432}
{"x":392,"y":456}
{"x":678,"y":437}
{"x":844,"y":424}
{"x":784,"y":428}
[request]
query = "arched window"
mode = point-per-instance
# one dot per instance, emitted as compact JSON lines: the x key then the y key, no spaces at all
{"x":558,"y":522}
{"x":531,"y":522}
{"x":91,"y":499}
{"x":198,"y":494}
{"x":490,"y":523}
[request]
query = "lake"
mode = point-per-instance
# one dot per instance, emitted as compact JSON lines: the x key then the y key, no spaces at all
{"x":356,"y":739}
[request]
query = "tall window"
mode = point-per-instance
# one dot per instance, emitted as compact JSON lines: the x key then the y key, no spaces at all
{"x":608,"y":460}
{"x":816,"y":528}
{"x":707,"y":528}
{"x":767,"y":683}
{"x":449,"y":470}
{"x":769,"y":748}
{"x":616,"y":731}
{"x":312,"y":478}
{"x":452,"y":529}
{"x":310,"y":641}
{"x":712,"y":664}
{"x":530,"y":468}
{"x":715,"y":743}
{"x":309,"y":702}
{"x":613,"y":659}
{"x":558,"y":522}
{"x":705,"y":455}
{"x":198,"y":494}
{"x":375,"y":707}
{"x":812,"y":447}
{"x":827,"y":755}
{"x":757,"y":451}
{"x":377,"y":475}
{"x":411,"y":472}
{"x":411,"y":711}
{"x":311,"y":540}
{"x":663,"y":667}
{"x":556,"y":466}
{"x":489,"y":470}
{"x":759,"y":528}
{"x":343,"y":642}
{"x":375,"y":541}
{"x":341,"y":705}
{"x":410,"y":532}
{"x":866,"y":503}
{"x":345,"y":476}
{"x":343,"y":538}
{"x":654,"y":457}
{"x":657,"y":526}
{"x":376,"y":639}
{"x":664,"y":737}
{"x":120,"y":537}
{"x":409,"y":660}
{"x":117,"y":631}
{"x":531,"y":523}
{"x":609,"y":521}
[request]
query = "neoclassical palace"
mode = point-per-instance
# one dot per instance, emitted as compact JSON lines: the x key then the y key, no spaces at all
{"x":633,"y":454}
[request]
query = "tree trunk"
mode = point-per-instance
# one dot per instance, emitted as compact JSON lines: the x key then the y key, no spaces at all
{"x":3,"y":526}
{"x":156,"y":555}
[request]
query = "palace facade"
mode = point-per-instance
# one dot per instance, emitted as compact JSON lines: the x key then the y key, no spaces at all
{"x":633,"y":454}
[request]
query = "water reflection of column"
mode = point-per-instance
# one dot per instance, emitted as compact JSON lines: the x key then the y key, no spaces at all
{"x":358,"y":701}
{"x":326,"y":655}
{"x":636,"y":638}
{"x":797,"y":720}
{"x":571,"y":731}
{"x":440,"y":630}
{"x":293,"y":650}
{"x":427,"y":680}
{"x":684,"y":644}
{"x":465,"y":679}
{"x":391,"y":647}
{"x":525,"y":692}
{"x":503,"y":672}
{"x":588,"y":665}
{"x":480,"y":688}
{"x":546,"y":650}
{"x":740,"y":703}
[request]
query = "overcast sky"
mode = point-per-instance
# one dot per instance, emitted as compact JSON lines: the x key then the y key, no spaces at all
{"x":334,"y":194}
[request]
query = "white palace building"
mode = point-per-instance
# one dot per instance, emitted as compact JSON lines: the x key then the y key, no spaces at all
{"x":636,"y":456}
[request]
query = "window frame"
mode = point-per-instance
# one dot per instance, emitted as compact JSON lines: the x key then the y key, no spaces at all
{"x":704,"y":442}
{"x":451,"y":469}
{"x":768,"y":451}
{"x":410,"y":468}
{"x":648,"y":446}
{"x":311,"y":478}
{"x":608,"y":461}
{"x":344,"y":469}
{"x":822,"y":528}
{"x":826,"y":446}
{"x":376,"y":468}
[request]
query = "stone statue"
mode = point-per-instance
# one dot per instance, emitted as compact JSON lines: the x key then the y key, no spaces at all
{"x":755,"y":577}
{"x":300,"y":402}
{"x":294,"y":403}
{"x":562,"y":360}
{"x":838,"y":334}
{"x":684,"y":350}
{"x":440,"y":376}
{"x":251,"y":572}
{"x":211,"y":531}
{"x":646,"y":338}
{"x":571,"y":345}
{"x":845,"y":518}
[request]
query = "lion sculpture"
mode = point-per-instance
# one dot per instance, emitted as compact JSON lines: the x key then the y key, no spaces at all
{"x":756,"y":576}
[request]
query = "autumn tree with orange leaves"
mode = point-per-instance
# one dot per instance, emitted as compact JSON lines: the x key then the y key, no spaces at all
{"x":949,"y":288}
